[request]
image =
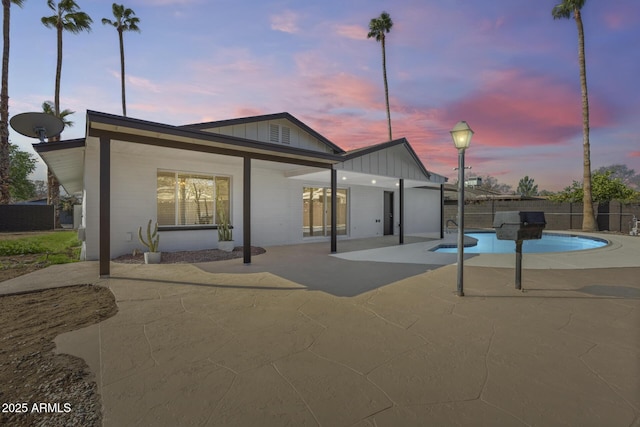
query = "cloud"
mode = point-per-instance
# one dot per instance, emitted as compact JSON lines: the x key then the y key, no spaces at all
{"x":142,"y":84}
{"x":619,"y":18}
{"x":286,"y":21}
{"x":354,"y":32}
{"x":514,"y":108}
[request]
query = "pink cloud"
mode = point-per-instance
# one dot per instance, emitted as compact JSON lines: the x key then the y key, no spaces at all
{"x":354,"y":32}
{"x":634,"y":154}
{"x":515,"y":109}
{"x":617,"y":19}
{"x":286,"y":21}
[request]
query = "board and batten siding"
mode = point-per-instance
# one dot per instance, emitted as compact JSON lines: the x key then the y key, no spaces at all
{"x":395,"y":161}
{"x":261,"y":131}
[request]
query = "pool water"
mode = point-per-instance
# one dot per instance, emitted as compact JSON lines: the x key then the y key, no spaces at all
{"x":489,"y":244}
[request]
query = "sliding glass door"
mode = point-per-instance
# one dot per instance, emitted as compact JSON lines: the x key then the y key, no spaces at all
{"x":316,"y":211}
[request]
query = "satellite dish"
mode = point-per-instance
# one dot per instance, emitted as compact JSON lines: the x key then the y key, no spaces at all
{"x":37,"y":125}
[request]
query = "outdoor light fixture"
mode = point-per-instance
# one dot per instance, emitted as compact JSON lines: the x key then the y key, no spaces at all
{"x":461,"y":135}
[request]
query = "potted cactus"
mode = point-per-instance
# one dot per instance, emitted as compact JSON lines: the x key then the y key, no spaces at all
{"x":225,"y":233}
{"x":152,"y":242}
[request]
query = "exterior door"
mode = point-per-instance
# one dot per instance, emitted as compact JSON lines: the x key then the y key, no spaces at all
{"x":388,"y":213}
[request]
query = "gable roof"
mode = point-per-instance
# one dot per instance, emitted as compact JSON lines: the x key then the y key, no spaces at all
{"x":252,"y":119}
{"x":384,"y":146}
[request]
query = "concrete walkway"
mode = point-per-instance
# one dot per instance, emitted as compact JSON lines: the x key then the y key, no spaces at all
{"x":223,"y":344}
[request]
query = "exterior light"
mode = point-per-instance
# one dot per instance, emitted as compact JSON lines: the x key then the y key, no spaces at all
{"x":373,"y":181}
{"x":461,"y":135}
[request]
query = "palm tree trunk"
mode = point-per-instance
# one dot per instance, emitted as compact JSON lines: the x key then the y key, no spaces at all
{"x":4,"y":108}
{"x":52,"y":182}
{"x":386,"y":86}
{"x":56,"y":101}
{"x":124,"y":101}
{"x":588,"y":216}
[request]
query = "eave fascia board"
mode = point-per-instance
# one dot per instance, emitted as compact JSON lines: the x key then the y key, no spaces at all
{"x":117,"y":127}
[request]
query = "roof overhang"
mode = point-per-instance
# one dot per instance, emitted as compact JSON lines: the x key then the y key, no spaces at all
{"x":66,"y":160}
{"x":185,"y":138}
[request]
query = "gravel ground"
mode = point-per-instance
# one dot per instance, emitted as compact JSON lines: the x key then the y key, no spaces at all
{"x":191,"y":257}
{"x":37,"y":386}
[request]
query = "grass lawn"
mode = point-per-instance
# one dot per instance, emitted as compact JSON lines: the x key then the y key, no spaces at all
{"x":21,"y":253}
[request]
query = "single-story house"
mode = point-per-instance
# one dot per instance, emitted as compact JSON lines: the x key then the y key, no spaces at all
{"x":278,"y":181}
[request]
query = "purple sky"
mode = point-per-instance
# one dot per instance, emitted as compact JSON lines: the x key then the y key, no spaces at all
{"x":504,"y":66}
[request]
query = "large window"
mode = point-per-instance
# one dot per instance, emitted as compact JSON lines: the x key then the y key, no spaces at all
{"x":191,"y":199}
{"x":316,"y":211}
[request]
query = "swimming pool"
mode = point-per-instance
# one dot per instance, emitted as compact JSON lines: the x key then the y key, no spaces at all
{"x":550,"y":242}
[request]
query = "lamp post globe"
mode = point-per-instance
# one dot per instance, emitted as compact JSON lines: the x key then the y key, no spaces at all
{"x":461,"y":135}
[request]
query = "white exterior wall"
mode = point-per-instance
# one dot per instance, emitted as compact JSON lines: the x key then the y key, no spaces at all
{"x":366,"y":205}
{"x":421,"y":210}
{"x":133,"y":195}
{"x":276,"y":208}
{"x":276,"y":203}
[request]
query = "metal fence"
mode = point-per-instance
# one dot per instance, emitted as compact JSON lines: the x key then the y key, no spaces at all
{"x":611,"y":216}
{"x":26,"y":217}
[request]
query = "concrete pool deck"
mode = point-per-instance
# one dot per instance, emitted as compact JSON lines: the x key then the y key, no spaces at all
{"x":622,"y":251}
{"x":281,"y":342}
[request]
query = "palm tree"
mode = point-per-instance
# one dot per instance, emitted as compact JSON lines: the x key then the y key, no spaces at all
{"x":67,"y":17}
{"x":125,"y":21}
{"x":48,"y":107}
{"x":5,"y":194}
{"x":378,"y":27}
{"x":564,"y":10}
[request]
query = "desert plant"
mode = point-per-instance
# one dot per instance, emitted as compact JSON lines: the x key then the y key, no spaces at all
{"x":153,"y":239}
{"x":225,"y":234}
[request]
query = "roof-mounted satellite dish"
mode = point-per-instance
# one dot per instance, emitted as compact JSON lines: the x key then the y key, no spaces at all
{"x":37,"y":125}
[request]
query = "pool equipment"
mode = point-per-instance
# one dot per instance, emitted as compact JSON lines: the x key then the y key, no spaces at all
{"x":519,"y":226}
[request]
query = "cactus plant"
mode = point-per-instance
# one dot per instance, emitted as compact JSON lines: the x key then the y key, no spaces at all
{"x":153,"y":239}
{"x":225,"y":234}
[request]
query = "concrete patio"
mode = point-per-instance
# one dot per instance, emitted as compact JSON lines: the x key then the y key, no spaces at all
{"x":233,"y":345}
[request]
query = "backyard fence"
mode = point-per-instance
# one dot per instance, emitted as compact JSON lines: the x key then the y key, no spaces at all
{"x":26,"y":217}
{"x":611,"y":216}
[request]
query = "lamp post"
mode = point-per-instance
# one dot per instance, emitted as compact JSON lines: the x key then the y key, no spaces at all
{"x":461,"y":135}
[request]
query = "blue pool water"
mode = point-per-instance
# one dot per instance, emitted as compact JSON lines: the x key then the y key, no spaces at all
{"x":489,"y":244}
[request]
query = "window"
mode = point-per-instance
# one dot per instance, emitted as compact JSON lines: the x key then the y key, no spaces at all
{"x":316,"y":211}
{"x":191,"y":199}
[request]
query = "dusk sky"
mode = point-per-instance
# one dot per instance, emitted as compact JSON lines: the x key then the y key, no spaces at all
{"x":505,"y":66}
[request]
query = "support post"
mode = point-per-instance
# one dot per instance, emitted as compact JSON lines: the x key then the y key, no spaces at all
{"x":401,"y":211}
{"x":460,"y":284}
{"x":334,"y":210}
{"x":246,"y":210}
{"x":519,"y":264}
{"x":105,"y":206}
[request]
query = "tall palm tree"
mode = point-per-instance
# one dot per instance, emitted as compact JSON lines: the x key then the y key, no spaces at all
{"x":49,"y":108}
{"x":378,"y":27}
{"x":564,"y":10}
{"x":67,"y":17}
{"x":125,"y":21}
{"x":4,"y":104}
